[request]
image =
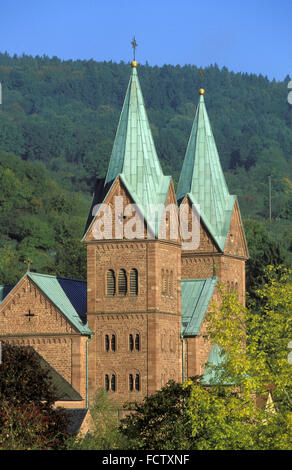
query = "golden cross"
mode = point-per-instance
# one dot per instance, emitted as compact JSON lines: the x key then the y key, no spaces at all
{"x":202,"y":75}
{"x":134,"y":45}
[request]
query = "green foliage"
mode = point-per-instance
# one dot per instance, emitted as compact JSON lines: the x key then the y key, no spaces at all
{"x":160,"y":421}
{"x":105,"y":433}
{"x":255,"y":359}
{"x":247,"y":405}
{"x":263,"y":251}
{"x":39,"y":221}
{"x":27,"y":417}
{"x":57,"y":125}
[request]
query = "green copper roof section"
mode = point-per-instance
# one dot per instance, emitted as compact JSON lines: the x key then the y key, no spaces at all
{"x":211,"y":374}
{"x":51,"y":286}
{"x":203,"y":180}
{"x":63,"y":389}
{"x":195,"y":298}
{"x":134,"y":155}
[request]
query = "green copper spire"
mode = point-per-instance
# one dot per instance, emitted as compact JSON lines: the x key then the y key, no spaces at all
{"x":134,"y":156}
{"x":134,"y":159}
{"x":202,"y":177}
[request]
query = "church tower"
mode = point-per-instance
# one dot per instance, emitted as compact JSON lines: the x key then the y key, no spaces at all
{"x":220,"y":253}
{"x":222,"y":249}
{"x":133,"y":279}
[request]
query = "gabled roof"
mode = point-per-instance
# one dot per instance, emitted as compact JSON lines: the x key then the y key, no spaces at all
{"x":64,"y":390}
{"x":69,"y":296}
{"x":202,"y":178}
{"x":76,"y":417}
{"x":195,"y":298}
{"x":134,"y":158}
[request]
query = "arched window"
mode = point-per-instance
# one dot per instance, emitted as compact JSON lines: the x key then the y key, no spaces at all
{"x":106,"y":342}
{"x":137,"y":342}
{"x":137,"y":382}
{"x":131,"y":342}
{"x":113,"y":383}
{"x":131,"y":382}
{"x":164,"y":282}
{"x":170,"y":284}
{"x":122,"y":282}
{"x":134,"y":282}
{"x":111,"y":283}
{"x":113,"y":342}
{"x":106,"y":381}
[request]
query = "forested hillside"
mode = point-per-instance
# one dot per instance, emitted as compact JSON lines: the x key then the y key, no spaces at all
{"x":57,"y":125}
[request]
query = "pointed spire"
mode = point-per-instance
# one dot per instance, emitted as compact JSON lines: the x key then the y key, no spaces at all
{"x":134,"y":155}
{"x":202,"y":177}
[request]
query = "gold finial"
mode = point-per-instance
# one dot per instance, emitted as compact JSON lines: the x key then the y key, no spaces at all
{"x":134,"y":45}
{"x":201,"y":91}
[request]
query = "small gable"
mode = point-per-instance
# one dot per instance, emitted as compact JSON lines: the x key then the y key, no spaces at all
{"x":38,"y":303}
{"x":236,"y":242}
{"x":206,"y":242}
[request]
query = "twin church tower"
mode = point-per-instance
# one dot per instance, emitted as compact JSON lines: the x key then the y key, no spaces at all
{"x":147,"y":297}
{"x":140,"y":318}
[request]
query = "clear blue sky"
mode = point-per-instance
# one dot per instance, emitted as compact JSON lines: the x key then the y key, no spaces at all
{"x":244,"y":35}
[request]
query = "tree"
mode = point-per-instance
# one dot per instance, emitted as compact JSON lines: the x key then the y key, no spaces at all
{"x":159,"y":422}
{"x":233,"y":409}
{"x":263,"y":251}
{"x":254,"y":365}
{"x":105,"y":433}
{"x":27,"y":416}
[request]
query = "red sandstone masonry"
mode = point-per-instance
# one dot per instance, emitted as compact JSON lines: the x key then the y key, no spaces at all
{"x":48,"y":332}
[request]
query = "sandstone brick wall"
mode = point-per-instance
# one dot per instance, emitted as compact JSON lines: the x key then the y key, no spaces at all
{"x":154,"y":313}
{"x":47,"y":331}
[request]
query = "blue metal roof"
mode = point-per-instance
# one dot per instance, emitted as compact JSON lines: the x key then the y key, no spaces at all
{"x":4,"y":291}
{"x":195,"y":297}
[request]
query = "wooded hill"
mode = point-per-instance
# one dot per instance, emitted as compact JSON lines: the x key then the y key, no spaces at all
{"x":57,"y":125}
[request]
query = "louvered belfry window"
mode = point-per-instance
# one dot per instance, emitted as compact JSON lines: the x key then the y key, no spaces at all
{"x":106,"y":341}
{"x":122,"y":282}
{"x":134,"y":282}
{"x":164,"y":282}
{"x":111,"y":283}
{"x":170,"y":284}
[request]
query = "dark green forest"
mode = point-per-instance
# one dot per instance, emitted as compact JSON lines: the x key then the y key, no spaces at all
{"x":57,"y":125}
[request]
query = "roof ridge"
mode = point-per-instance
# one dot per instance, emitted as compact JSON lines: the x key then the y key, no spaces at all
{"x":56,"y":276}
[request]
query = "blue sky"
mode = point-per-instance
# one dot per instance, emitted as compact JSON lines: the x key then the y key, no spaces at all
{"x":243,"y":35}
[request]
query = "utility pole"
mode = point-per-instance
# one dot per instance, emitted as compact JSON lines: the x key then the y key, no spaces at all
{"x":270,"y":198}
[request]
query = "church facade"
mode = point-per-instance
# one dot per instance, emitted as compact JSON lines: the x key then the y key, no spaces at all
{"x":140,"y":319}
